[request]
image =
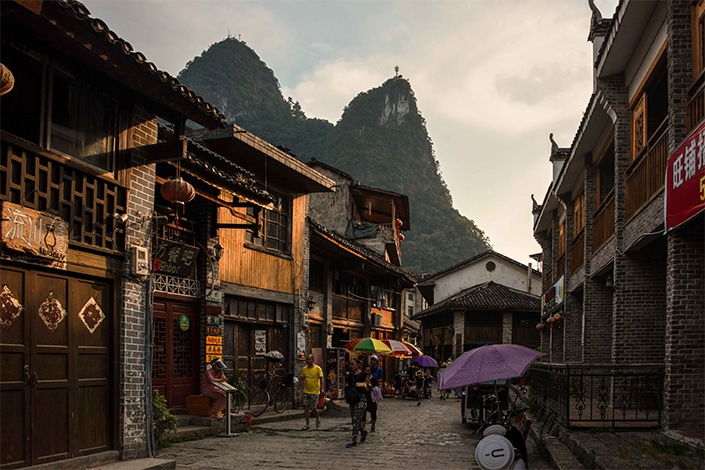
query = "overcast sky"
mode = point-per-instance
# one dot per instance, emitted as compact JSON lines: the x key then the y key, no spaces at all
{"x":493,"y":78}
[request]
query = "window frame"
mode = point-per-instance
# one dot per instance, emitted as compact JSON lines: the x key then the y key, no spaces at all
{"x":271,"y":222}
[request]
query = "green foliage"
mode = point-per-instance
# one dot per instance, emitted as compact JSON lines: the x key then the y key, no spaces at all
{"x":165,"y":423}
{"x":380,"y":140}
{"x":241,"y":395}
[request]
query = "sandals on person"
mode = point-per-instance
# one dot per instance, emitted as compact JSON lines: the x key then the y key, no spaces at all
{"x":305,"y":428}
{"x":351,"y":444}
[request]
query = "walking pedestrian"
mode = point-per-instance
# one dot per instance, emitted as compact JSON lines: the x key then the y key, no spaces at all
{"x":373,"y":399}
{"x":355,"y":389}
{"x":446,"y":392}
{"x":312,"y":385}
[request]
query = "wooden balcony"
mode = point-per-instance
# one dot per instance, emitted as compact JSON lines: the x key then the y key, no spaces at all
{"x":696,"y":103}
{"x":577,"y":252}
{"x":645,"y":176}
{"x":547,"y":280}
{"x":603,"y":223}
{"x":84,"y":198}
{"x":560,"y":267}
{"x":346,"y":308}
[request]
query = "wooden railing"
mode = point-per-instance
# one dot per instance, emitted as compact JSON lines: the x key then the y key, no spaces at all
{"x":696,"y":103}
{"x":547,"y":280}
{"x":45,"y":182}
{"x":645,"y":176}
{"x":577,"y":252}
{"x":560,"y":268}
{"x":603,"y":223}
{"x":345,"y":308}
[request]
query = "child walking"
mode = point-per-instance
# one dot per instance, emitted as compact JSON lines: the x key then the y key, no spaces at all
{"x":375,"y":398}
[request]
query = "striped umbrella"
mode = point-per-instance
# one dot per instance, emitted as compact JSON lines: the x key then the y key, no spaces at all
{"x":414,"y":350}
{"x":398,"y":348}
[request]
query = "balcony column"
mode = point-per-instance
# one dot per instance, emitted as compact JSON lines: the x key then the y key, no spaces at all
{"x":601,"y":308}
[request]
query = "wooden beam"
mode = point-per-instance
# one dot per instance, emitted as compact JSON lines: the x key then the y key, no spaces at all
{"x":166,"y":151}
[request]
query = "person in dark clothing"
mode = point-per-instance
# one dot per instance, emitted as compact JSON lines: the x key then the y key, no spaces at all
{"x":356,"y":387}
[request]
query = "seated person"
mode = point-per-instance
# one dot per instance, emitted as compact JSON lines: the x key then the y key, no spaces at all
{"x":214,"y":373}
{"x":410,"y":381}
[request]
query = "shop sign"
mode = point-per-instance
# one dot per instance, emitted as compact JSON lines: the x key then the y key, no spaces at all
{"x":37,"y":233}
{"x":184,"y":323}
{"x":260,"y":342}
{"x":553,"y":297}
{"x":174,"y":259}
{"x":685,"y":180}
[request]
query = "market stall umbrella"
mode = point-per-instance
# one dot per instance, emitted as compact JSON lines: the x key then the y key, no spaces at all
{"x":349,"y":346}
{"x":487,"y":363}
{"x":425,"y":361}
{"x":398,"y":348}
{"x":414,"y":350}
{"x":369,"y":345}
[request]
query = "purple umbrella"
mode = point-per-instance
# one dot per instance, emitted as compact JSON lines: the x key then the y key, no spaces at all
{"x":425,"y":361}
{"x":487,"y":363}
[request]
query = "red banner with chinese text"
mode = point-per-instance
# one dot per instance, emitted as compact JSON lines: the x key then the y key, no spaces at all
{"x":685,"y":180}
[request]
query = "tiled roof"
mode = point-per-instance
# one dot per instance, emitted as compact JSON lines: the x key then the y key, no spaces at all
{"x":487,"y":296}
{"x":363,"y":251}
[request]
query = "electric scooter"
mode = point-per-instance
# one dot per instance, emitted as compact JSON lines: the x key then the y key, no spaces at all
{"x":502,"y":445}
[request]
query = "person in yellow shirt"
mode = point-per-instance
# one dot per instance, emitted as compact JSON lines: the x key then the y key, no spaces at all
{"x":312,"y":385}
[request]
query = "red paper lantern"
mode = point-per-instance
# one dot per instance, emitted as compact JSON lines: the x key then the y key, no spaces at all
{"x":401,"y":237}
{"x":178,"y":191}
{"x":398,"y":223}
{"x":540,"y":326}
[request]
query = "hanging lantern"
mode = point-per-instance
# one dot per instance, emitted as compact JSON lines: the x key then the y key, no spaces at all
{"x":550,"y":320}
{"x":7,"y":80}
{"x":401,"y":237}
{"x":398,"y":223}
{"x":178,"y":191}
{"x":558,"y":317}
{"x":540,"y":326}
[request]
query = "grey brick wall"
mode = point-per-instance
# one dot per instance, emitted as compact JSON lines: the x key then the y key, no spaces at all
{"x":135,"y":381}
{"x":639,"y":321}
{"x":684,"y":394}
{"x":685,"y":327}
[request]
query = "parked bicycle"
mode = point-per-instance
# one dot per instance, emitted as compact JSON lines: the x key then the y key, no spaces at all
{"x":279,"y":399}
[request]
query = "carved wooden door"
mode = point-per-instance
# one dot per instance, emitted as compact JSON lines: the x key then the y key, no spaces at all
{"x":175,"y":367}
{"x":56,"y":386}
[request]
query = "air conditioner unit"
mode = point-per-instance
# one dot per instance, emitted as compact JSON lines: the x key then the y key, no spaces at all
{"x":376,"y":319}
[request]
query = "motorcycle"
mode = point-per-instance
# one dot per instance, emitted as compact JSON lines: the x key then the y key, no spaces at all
{"x":502,"y":445}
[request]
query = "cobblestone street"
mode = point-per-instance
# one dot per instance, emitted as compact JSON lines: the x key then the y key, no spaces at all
{"x":428,"y":436}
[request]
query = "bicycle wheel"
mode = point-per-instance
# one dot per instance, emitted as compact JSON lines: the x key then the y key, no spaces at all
{"x":281,"y":402}
{"x":259,"y":402}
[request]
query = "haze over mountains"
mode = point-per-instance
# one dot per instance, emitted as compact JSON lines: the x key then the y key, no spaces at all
{"x":380,"y":140}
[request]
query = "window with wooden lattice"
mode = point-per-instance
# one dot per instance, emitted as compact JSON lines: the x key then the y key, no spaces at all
{"x":639,"y":127}
{"x":698,"y":36}
{"x":578,"y":214}
{"x":561,"y":238}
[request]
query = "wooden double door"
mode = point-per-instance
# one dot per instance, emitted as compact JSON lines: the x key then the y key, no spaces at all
{"x":175,"y":351}
{"x":56,"y":366}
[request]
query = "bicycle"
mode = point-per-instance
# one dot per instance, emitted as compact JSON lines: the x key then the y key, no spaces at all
{"x":263,"y":399}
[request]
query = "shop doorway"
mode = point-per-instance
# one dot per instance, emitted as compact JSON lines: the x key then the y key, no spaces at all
{"x":56,"y":386}
{"x":175,"y":352}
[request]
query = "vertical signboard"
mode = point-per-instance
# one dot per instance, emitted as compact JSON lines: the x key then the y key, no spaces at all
{"x":685,"y":180}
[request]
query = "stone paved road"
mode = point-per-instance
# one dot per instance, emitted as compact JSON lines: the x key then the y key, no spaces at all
{"x":430,"y":436}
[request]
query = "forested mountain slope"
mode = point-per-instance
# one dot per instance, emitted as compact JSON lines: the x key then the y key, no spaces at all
{"x":381,"y":140}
